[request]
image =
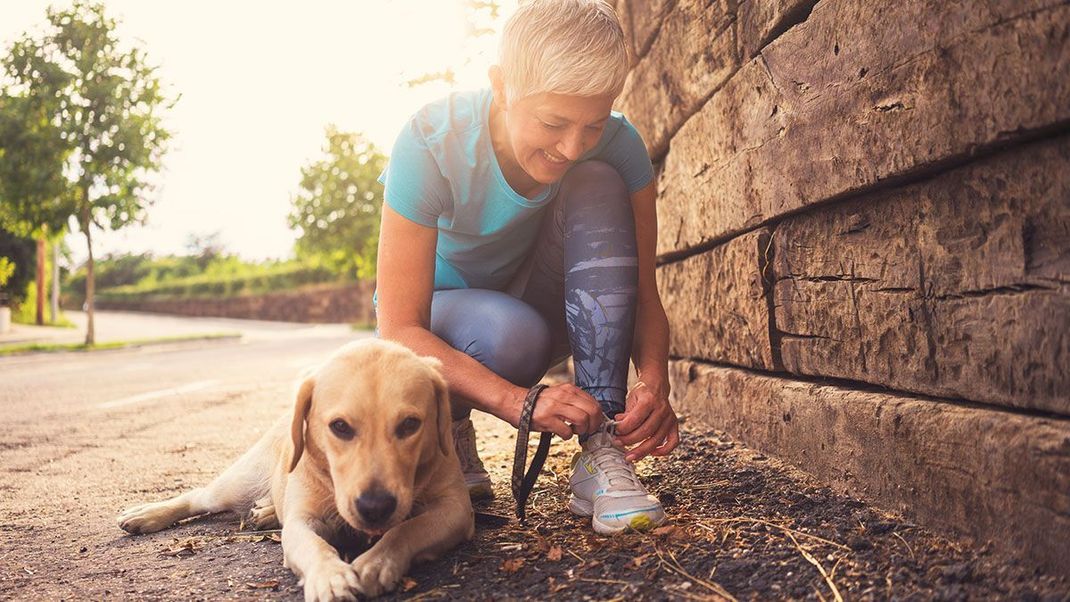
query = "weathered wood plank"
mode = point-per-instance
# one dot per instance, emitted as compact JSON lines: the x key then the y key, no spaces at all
{"x":694,"y":53}
{"x":958,"y":286}
{"x":983,"y":473}
{"x":716,"y":305}
{"x":857,"y":94}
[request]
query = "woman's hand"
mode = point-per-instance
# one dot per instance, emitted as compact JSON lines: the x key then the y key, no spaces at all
{"x":648,"y":420}
{"x":564,"y":410}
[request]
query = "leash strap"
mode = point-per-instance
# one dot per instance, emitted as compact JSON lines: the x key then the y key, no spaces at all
{"x":524,"y":482}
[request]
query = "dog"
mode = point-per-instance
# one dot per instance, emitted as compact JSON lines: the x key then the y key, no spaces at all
{"x":367,"y":449}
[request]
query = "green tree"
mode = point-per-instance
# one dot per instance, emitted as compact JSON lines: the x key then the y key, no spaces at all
{"x":106,"y":101}
{"x":336,"y":212}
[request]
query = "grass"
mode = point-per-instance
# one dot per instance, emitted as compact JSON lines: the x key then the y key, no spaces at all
{"x":19,"y":348}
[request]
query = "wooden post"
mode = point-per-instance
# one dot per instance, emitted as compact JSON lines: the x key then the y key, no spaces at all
{"x":41,"y":280}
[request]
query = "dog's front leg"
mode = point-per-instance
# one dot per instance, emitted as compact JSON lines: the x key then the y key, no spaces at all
{"x":439,"y":527}
{"x":316,"y":563}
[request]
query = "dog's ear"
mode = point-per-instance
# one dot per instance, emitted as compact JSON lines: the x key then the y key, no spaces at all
{"x":297,"y":427}
{"x":444,"y":416}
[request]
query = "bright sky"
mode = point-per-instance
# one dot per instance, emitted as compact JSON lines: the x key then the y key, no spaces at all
{"x":259,"y":83}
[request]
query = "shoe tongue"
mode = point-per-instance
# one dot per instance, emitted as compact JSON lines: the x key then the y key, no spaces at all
{"x":599,"y":440}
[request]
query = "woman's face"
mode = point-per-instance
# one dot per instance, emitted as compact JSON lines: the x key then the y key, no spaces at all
{"x":548,"y":132}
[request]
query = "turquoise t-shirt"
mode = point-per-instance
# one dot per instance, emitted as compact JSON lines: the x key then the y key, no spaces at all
{"x":443,"y":173}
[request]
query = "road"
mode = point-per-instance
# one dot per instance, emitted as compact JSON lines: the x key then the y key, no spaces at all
{"x":86,"y":434}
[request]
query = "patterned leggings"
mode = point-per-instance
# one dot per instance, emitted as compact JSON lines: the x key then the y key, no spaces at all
{"x":576,"y":294}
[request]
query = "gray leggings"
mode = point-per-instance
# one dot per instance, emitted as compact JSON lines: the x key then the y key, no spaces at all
{"x":576,"y":294}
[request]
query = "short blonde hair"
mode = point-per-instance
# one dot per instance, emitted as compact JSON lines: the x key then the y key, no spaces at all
{"x":564,"y":47}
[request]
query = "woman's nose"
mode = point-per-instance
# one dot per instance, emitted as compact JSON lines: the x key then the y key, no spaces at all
{"x":571,"y":146}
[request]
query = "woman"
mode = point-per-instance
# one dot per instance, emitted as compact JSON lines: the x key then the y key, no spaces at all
{"x":520,"y":227}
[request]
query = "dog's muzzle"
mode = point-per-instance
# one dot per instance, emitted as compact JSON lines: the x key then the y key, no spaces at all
{"x":376,"y":506}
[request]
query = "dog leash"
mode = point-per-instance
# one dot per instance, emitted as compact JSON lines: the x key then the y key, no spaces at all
{"x":523,"y":482}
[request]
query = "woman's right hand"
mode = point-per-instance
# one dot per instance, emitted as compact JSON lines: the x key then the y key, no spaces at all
{"x":563,"y":410}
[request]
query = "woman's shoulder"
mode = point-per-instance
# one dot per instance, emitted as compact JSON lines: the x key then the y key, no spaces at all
{"x":455,"y":114}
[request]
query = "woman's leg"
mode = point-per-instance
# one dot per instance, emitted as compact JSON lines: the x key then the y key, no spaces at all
{"x":583,"y":279}
{"x":500,"y":331}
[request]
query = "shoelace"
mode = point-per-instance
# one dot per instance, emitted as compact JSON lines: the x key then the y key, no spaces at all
{"x":610,"y":460}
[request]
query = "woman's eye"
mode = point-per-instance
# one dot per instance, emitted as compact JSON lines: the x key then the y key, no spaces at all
{"x":341,"y":429}
{"x":551,"y":126}
{"x":407,"y":427}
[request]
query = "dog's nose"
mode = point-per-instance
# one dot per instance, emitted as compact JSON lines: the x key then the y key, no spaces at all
{"x":376,"y":506}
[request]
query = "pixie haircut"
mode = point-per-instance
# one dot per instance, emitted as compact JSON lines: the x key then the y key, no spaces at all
{"x":571,"y":47}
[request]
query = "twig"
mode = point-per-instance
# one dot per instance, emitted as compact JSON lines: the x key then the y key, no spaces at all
{"x":674,"y":566}
{"x":909,"y":549}
{"x":576,"y":556}
{"x":810,"y":558}
{"x":264,"y":532}
{"x":789,"y":530}
{"x":610,"y":581}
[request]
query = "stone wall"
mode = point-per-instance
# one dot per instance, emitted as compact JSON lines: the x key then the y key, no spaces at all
{"x":320,"y":304}
{"x":864,"y":244}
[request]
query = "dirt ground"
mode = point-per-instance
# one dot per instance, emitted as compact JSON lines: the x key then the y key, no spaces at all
{"x":743,"y":525}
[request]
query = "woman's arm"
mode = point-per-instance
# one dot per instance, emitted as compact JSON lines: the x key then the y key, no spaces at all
{"x":405,"y":276}
{"x":649,"y":420}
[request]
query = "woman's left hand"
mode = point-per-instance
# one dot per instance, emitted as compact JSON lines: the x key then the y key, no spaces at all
{"x":649,"y":421}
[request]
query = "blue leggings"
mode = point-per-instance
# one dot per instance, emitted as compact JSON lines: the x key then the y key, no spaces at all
{"x":576,"y":294}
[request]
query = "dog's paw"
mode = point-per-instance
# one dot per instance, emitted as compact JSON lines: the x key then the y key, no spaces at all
{"x":146,"y":518}
{"x":332,"y":580}
{"x":378,"y":571}
{"x":262,"y":516}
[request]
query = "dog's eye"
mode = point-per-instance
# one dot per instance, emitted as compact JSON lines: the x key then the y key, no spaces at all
{"x":341,"y":429}
{"x":407,"y":427}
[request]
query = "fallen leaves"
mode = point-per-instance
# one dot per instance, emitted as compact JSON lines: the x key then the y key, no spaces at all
{"x":512,"y":565}
{"x":272,"y":584}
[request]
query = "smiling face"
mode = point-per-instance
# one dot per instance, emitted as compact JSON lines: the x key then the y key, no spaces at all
{"x":537,"y":138}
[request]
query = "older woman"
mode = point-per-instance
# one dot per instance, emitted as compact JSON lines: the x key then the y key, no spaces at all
{"x":519,"y":228}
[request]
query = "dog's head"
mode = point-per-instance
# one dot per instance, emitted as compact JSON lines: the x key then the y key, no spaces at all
{"x":376,"y":417}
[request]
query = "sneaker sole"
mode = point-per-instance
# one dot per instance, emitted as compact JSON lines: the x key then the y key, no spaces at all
{"x":581,"y":507}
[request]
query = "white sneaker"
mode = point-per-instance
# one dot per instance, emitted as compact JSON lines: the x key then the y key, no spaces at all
{"x":604,"y":487}
{"x":475,"y":475}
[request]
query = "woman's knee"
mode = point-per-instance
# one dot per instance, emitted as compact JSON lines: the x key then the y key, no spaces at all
{"x":595,"y":181}
{"x":518,"y":350}
{"x":502,"y":332}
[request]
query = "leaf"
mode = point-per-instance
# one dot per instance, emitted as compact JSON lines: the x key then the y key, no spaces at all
{"x":639,"y":560}
{"x":554,"y":553}
{"x":272,"y":584}
{"x":408,"y":584}
{"x":512,"y":565}
{"x":667,"y":530}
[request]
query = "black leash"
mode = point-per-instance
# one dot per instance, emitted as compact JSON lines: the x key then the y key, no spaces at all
{"x":523,"y":483}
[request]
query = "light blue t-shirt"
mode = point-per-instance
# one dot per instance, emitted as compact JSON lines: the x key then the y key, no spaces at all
{"x":443,"y":173}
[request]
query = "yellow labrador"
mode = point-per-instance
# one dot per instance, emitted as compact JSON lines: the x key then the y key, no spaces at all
{"x":368,"y":448}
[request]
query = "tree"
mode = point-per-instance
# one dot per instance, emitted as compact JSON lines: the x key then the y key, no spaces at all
{"x":336,"y":212}
{"x":106,"y":101}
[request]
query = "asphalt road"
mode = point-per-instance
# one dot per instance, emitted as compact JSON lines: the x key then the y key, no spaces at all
{"x":83,"y":435}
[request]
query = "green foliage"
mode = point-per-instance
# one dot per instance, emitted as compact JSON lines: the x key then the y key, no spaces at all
{"x":223,"y":284}
{"x":7,"y":270}
{"x":337,"y":210}
{"x":136,"y":277}
{"x":105,"y":101}
{"x":32,"y":158}
{"x":22,"y":254}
